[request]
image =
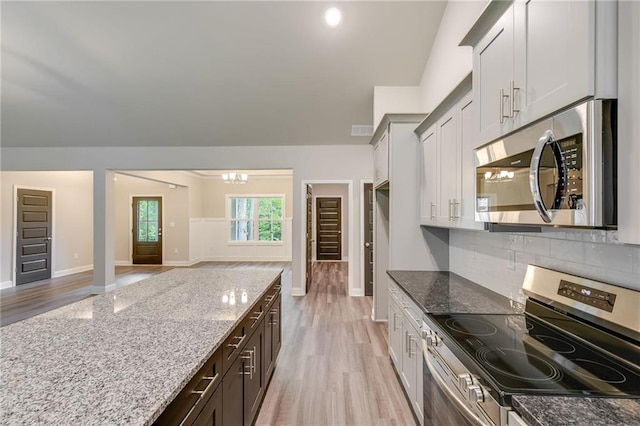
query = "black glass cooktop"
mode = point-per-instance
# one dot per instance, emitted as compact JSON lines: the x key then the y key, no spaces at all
{"x":520,"y":354}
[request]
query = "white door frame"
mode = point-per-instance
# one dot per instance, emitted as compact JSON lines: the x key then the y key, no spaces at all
{"x":14,"y":255}
{"x":303,"y":225}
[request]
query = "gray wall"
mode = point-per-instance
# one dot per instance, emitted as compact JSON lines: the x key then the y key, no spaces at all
{"x":72,"y":219}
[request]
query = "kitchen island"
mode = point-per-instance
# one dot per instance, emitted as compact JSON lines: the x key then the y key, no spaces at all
{"x":123,"y":357}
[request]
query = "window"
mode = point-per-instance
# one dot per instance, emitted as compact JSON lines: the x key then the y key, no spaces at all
{"x":256,"y":218}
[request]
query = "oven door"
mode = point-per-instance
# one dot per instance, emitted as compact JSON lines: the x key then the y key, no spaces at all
{"x":443,"y":405}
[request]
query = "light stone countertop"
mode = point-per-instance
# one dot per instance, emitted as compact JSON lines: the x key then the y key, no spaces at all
{"x":120,"y":358}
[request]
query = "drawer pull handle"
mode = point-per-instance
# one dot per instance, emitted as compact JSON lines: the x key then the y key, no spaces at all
{"x":212,"y":380}
{"x":237,"y":345}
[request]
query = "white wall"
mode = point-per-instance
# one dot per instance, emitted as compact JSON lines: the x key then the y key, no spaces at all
{"x":175,"y":218}
{"x":72,"y":219}
{"x":499,"y":260}
{"x":330,"y":162}
{"x":449,"y":63}
{"x":332,"y":190}
{"x":394,"y":99}
{"x":209,"y":233}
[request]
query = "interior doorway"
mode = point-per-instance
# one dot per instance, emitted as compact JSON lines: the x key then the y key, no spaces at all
{"x":327,"y":228}
{"x":147,"y":230}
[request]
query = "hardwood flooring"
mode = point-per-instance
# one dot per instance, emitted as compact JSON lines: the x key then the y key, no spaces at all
{"x":333,"y":368}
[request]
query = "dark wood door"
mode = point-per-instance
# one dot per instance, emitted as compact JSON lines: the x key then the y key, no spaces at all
{"x":368,"y":239}
{"x":309,"y":233}
{"x":232,"y":396}
{"x":33,"y":236}
{"x":147,"y":230}
{"x":254,"y":378}
{"x":328,"y":228}
{"x":211,"y":414}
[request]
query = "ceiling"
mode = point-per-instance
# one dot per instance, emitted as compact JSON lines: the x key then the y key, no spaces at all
{"x":203,"y":73}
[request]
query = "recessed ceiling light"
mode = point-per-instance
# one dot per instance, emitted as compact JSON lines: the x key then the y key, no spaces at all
{"x":333,"y":17}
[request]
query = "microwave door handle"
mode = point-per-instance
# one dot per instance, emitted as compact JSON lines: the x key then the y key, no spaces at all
{"x":534,"y":175}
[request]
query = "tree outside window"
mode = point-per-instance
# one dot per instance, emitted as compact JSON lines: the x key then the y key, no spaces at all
{"x":256,"y":218}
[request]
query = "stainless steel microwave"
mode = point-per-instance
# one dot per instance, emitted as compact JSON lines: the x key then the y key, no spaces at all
{"x":560,"y":171}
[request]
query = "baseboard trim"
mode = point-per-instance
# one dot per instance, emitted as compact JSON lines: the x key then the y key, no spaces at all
{"x":297,"y":292}
{"x":243,"y":259}
{"x":70,"y":271}
{"x":6,"y":284}
{"x":96,"y":289}
{"x":357,"y":292}
{"x":179,"y":263}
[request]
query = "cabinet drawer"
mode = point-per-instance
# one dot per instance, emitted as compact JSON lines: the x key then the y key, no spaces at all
{"x":233,"y":345}
{"x":395,"y":293}
{"x":186,"y":407}
{"x":272,"y":294}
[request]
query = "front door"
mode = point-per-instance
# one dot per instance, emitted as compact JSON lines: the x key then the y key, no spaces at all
{"x":147,"y":230}
{"x":367,"y":220}
{"x":309,"y":232}
{"x":329,"y":228}
{"x":33,"y":236}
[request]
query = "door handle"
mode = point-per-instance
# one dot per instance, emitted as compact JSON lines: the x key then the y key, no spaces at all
{"x":367,"y":245}
{"x":47,"y":238}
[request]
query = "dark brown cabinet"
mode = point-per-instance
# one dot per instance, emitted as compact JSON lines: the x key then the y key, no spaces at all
{"x":272,"y":336}
{"x":211,"y":414}
{"x":230,"y":387}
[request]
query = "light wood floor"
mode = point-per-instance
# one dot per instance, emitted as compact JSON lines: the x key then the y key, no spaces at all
{"x":333,"y":368}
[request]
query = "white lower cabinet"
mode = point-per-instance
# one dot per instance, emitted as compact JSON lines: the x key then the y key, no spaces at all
{"x":405,"y":346}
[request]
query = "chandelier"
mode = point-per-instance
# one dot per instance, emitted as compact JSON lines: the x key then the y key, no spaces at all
{"x":234,"y":177}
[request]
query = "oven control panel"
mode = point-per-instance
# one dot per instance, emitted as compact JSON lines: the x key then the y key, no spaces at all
{"x":587,"y":295}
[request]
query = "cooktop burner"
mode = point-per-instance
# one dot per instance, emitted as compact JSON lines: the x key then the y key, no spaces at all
{"x":521,"y":354}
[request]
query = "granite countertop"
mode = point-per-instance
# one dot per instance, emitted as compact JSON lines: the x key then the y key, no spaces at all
{"x":576,"y":411}
{"x":445,"y":293}
{"x":121,"y":357}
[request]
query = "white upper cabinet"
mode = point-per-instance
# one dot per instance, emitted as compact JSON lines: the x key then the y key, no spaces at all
{"x":448,"y":165}
{"x":381,"y":161}
{"x":539,"y":57}
{"x":429,"y":177}
{"x":492,"y":75}
{"x":447,"y":184}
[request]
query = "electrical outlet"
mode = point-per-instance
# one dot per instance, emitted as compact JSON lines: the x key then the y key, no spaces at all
{"x":175,"y":250}
{"x":75,"y":255}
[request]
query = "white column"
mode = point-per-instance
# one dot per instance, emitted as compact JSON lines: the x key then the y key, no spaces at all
{"x":104,"y":279}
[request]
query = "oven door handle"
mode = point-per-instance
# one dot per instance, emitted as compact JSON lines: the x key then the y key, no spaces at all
{"x":548,"y":138}
{"x":455,"y":399}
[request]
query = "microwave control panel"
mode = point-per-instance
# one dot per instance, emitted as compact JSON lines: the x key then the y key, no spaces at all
{"x":571,"y":148}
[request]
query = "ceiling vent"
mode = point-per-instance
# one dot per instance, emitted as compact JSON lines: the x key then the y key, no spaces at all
{"x":361,"y":130}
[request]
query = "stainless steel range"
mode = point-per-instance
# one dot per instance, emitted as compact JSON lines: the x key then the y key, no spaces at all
{"x":577,"y":337}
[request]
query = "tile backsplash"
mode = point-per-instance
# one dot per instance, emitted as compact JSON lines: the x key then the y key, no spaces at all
{"x":499,"y":260}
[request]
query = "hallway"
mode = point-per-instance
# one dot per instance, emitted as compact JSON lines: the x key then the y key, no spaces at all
{"x":333,"y":368}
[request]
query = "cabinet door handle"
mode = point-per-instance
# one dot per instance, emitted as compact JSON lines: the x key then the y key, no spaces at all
{"x":433,"y":215}
{"x":513,"y":90}
{"x":450,"y":209}
{"x":456,"y":209}
{"x":502,"y":116}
